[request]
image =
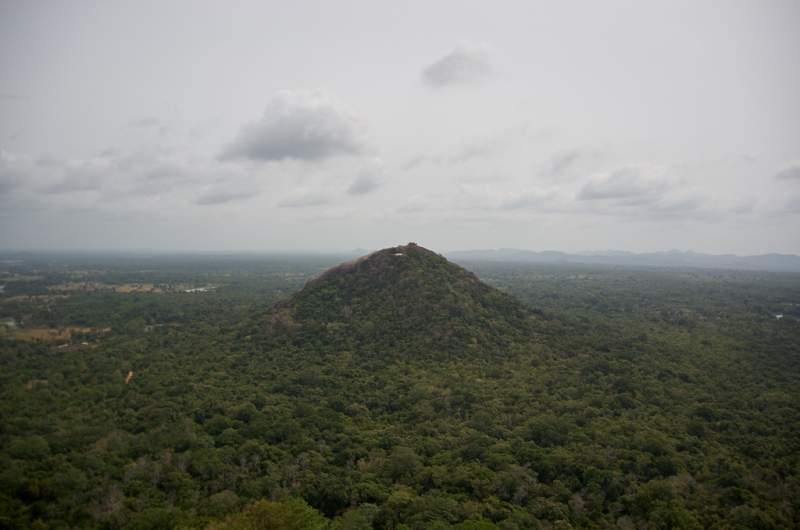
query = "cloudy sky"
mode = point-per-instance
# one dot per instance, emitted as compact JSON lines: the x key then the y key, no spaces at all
{"x":570,"y":125}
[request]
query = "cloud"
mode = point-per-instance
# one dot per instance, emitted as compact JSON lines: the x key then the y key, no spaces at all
{"x":363,"y":184}
{"x":565,"y":161}
{"x":487,"y":146}
{"x":302,"y":125}
{"x":641,"y":192}
{"x":792,"y":171}
{"x":486,"y":197}
{"x":306,"y":197}
{"x":482,"y":147}
{"x":14,"y":97}
{"x":627,"y":182}
{"x":143,"y":122}
{"x":420,"y":203}
{"x":744,"y":205}
{"x":467,"y":64}
{"x":82,"y":175}
{"x":118,"y":181}
{"x":216,"y":195}
{"x":369,"y":179}
{"x":529,"y":198}
{"x":791,"y":205}
{"x":13,"y":169}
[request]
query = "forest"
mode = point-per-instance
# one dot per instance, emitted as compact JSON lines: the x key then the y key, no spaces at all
{"x":401,"y":392}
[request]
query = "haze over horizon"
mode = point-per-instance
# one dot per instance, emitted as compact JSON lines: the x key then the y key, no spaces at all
{"x":633,"y":126}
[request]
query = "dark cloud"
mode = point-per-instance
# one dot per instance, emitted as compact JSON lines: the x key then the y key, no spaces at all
{"x":791,"y":171}
{"x":303,"y":125}
{"x":467,"y":64}
{"x":560,"y":164}
{"x":363,"y":184}
{"x":219,"y":196}
{"x":369,"y":178}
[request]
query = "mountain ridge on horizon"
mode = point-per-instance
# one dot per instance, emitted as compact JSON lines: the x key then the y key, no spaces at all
{"x":772,"y":262}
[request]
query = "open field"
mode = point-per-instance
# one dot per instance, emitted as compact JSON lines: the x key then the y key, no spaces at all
{"x":19,"y":278}
{"x":125,"y":288}
{"x":44,"y":333}
{"x":97,"y":286}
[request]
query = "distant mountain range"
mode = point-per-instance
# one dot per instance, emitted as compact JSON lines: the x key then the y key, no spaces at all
{"x":672,"y":258}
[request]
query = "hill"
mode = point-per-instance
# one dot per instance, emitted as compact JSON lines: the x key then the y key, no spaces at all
{"x":407,"y":300}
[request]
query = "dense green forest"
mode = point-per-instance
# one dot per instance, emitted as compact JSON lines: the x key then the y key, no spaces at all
{"x":396,"y":392}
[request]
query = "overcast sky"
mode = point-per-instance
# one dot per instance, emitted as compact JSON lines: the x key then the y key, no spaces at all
{"x":569,"y":125}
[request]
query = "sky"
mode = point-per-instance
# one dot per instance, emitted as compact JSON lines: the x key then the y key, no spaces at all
{"x":316,"y":125}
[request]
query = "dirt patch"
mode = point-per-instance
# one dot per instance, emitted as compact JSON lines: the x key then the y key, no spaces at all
{"x":128,"y":377}
{"x":33,"y":383}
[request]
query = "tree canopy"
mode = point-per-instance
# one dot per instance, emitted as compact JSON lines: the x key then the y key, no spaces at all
{"x":401,"y":392}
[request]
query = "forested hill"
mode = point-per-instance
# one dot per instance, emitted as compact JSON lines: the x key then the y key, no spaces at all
{"x":401,"y":301}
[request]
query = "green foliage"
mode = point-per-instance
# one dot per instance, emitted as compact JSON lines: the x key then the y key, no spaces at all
{"x":291,"y":514}
{"x":404,"y":394}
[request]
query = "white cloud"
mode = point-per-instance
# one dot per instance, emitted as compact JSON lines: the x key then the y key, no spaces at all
{"x":120,"y":181}
{"x":303,"y":125}
{"x":467,"y":64}
{"x":792,"y":171}
{"x":630,"y":183}
{"x":648,"y":193}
